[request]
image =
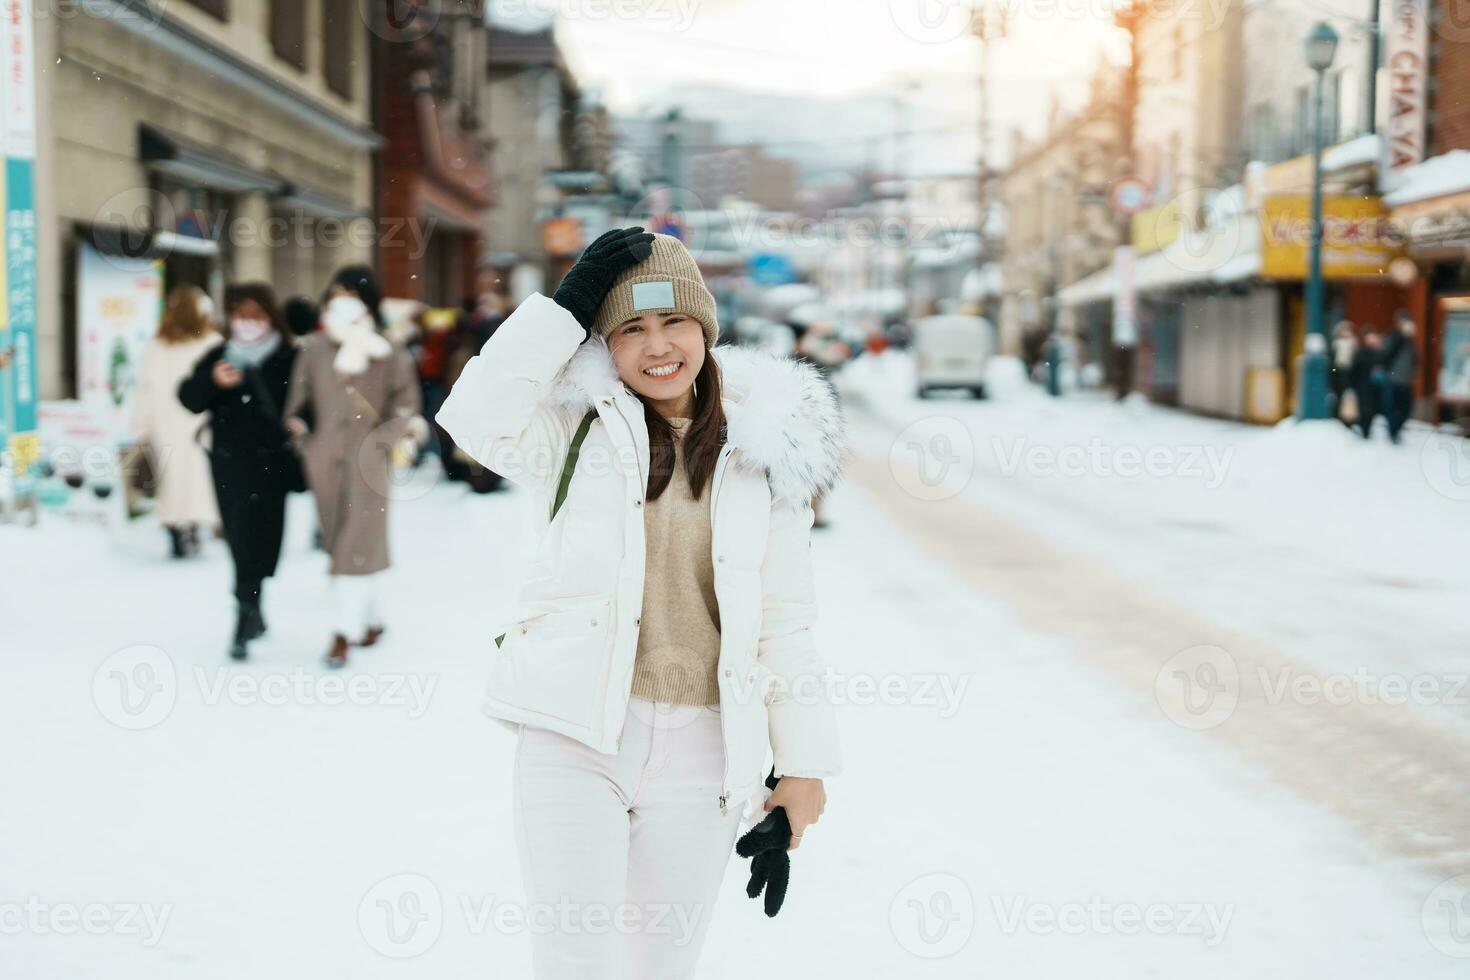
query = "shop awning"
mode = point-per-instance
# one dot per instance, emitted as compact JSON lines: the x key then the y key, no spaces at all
{"x":201,"y":166}
{"x":1228,"y":251}
{"x":318,"y":204}
{"x":1439,"y":176}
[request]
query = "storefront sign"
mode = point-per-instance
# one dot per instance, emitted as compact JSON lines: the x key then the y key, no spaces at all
{"x":1439,"y":222}
{"x":1407,"y":65}
{"x":561,"y":237}
{"x":1157,"y":227}
{"x":1357,"y":238}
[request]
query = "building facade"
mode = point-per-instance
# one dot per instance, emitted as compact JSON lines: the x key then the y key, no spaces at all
{"x":434,"y":179}
{"x":226,"y":140}
{"x":1059,"y":226}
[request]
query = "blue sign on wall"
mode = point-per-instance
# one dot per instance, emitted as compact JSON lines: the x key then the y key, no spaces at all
{"x":771,"y":269}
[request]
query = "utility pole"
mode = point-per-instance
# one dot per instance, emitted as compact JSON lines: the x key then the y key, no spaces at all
{"x":988,"y":24}
{"x":1125,"y":334}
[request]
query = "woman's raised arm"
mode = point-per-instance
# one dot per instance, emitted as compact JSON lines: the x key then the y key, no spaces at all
{"x":497,"y":412}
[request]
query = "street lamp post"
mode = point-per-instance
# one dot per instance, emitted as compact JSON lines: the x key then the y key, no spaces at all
{"x":1321,"y":47}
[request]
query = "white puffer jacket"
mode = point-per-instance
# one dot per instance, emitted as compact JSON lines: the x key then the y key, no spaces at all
{"x":567,"y":660}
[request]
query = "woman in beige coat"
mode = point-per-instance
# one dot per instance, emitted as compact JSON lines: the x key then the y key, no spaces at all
{"x":185,"y":494}
{"x":354,"y":397}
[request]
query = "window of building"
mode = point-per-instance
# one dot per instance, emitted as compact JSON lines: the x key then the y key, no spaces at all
{"x":288,"y":31}
{"x":338,"y":39}
{"x":1331,"y":108}
{"x":215,"y":8}
{"x":1263,"y":133}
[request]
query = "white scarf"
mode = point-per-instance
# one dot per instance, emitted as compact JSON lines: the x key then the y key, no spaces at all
{"x":349,"y":322}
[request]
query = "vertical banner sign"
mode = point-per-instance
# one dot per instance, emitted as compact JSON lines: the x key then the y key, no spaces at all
{"x":118,"y":302}
{"x":1407,"y":61}
{"x":18,"y":103}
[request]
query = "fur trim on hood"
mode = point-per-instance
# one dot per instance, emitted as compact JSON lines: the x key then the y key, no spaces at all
{"x":782,"y":417}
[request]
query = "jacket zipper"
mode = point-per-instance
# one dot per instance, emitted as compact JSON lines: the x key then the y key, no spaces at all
{"x":714,"y":499}
{"x":724,"y":734}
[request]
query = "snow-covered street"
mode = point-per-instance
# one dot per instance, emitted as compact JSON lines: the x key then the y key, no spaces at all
{"x":1204,"y":721}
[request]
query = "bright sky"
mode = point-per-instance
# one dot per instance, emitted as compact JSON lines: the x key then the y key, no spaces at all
{"x":634,"y":50}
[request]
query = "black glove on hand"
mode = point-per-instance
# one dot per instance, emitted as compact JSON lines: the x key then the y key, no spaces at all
{"x":766,"y":844}
{"x":582,"y":289}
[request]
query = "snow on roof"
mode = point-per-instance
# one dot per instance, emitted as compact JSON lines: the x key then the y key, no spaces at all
{"x":1448,"y":173}
{"x":1353,"y":153}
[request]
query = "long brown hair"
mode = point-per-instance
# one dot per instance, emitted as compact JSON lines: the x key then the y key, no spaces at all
{"x":182,"y":318}
{"x":701,"y":443}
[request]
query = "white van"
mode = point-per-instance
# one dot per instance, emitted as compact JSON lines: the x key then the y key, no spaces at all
{"x":951,"y":350}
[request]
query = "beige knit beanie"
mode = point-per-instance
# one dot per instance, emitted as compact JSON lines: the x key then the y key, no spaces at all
{"x":668,"y":281}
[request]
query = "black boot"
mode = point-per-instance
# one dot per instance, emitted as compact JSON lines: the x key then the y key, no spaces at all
{"x":250,"y":615}
{"x":178,"y":542}
{"x":191,"y":541}
{"x":251,"y":621}
{"x":238,"y":650}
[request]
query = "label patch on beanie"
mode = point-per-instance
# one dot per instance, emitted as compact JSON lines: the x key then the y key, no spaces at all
{"x":656,"y":295}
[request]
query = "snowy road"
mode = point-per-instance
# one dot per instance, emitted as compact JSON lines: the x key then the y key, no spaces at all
{"x":1030,"y":793}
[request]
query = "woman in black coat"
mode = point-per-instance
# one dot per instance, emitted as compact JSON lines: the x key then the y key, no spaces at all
{"x":242,"y":384}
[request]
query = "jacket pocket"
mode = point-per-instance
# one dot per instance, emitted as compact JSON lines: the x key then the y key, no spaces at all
{"x":555,"y":659}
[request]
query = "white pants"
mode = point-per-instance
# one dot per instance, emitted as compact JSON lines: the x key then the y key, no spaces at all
{"x":355,"y":602}
{"x":622,"y":855}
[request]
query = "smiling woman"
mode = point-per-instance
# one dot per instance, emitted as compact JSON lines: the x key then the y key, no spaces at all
{"x":665,"y":644}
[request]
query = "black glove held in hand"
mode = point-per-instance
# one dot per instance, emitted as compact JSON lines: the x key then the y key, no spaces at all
{"x":582,"y":290}
{"x":766,"y":844}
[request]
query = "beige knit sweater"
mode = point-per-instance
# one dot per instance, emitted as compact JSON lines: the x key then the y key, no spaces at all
{"x":679,"y":636}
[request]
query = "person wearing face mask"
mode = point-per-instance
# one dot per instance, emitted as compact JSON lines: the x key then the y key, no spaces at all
{"x":354,"y":404}
{"x":661,"y":646}
{"x":185,"y":497}
{"x":243,"y":386}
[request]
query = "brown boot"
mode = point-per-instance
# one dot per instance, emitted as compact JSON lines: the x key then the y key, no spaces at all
{"x":371,"y":636}
{"x":337,"y":656}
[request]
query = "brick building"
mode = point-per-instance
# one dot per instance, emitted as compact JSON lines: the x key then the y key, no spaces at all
{"x":433,"y":178}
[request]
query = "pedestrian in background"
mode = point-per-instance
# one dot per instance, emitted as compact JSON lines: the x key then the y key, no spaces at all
{"x":168,"y":431}
{"x":1400,"y":360}
{"x":354,"y":398}
{"x":1364,"y":378}
{"x":300,"y":315}
{"x":1344,"y":346}
{"x":243,"y":386}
